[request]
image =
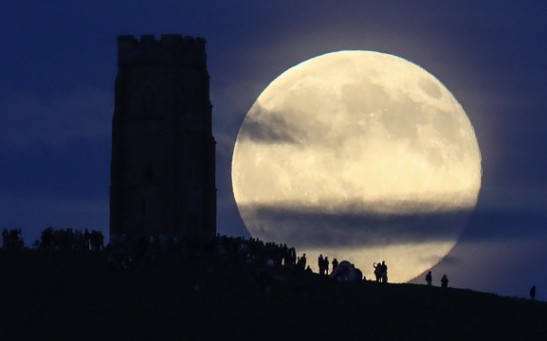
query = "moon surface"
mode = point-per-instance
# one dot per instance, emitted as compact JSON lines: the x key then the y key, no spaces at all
{"x":360,"y":156}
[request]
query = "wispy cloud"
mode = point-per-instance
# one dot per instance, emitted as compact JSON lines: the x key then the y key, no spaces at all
{"x":269,"y":128}
{"x":316,"y":227}
{"x":493,"y":225}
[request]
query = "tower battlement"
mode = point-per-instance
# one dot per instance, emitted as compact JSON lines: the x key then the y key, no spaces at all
{"x":173,"y":49}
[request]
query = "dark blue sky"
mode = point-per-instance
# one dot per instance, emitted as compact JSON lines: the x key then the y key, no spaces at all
{"x":57,"y":69}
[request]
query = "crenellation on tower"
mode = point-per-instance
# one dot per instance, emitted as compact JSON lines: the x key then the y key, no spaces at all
{"x":172,"y":49}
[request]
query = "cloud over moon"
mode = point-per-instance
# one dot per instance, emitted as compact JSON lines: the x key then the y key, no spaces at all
{"x":272,"y":128}
{"x":314,"y":227}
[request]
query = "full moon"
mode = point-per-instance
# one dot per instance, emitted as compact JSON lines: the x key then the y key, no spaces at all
{"x":360,"y":156}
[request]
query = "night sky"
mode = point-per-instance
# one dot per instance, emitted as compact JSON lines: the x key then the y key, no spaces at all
{"x":57,"y":70}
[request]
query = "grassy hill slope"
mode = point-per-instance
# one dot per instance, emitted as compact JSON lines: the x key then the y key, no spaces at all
{"x":59,"y":296}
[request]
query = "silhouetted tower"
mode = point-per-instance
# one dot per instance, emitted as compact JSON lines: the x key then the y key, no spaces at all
{"x":163,"y":150}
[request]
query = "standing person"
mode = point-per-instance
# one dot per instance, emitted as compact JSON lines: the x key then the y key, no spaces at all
{"x":334,"y":263}
{"x":5,"y":239}
{"x":533,"y":292}
{"x":428,"y":278}
{"x":444,"y":282}
{"x":377,"y":271}
{"x":320,"y":264}
{"x":383,"y":272}
{"x":326,"y":265}
{"x":303,"y":261}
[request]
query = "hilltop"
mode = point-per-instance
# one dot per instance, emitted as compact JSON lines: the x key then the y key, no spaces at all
{"x":55,"y":295}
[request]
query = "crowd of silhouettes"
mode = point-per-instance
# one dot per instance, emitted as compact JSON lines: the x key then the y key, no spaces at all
{"x":12,"y":239}
{"x":253,"y":250}
{"x":125,"y":251}
{"x":71,"y":240}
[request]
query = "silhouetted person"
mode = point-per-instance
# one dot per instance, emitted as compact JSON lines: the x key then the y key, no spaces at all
{"x":87,"y":238}
{"x":302,"y":262}
{"x":377,"y":271}
{"x":428,"y":278}
{"x":533,"y":292}
{"x":321,"y":265}
{"x":12,"y":239}
{"x":334,"y":263}
{"x":97,"y":240}
{"x":5,"y":239}
{"x":383,"y":272}
{"x":444,"y":282}
{"x":326,"y":265}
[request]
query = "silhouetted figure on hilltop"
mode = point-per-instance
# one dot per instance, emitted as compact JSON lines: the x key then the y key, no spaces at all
{"x":533,"y":293}
{"x":5,"y":239}
{"x":97,"y":241}
{"x":444,"y":282}
{"x":428,"y":278}
{"x":383,"y":272}
{"x":291,"y":256}
{"x":377,"y":271}
{"x":46,"y":238}
{"x":380,"y":272}
{"x":301,"y":264}
{"x":12,"y":239}
{"x":69,"y":240}
{"x":87,"y":240}
{"x":321,"y":265}
{"x":334,"y":263}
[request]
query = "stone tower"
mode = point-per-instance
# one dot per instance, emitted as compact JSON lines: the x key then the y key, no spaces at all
{"x":163,"y":150}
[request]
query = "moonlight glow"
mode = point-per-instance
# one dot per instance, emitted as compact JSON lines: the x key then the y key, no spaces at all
{"x":361,"y":156}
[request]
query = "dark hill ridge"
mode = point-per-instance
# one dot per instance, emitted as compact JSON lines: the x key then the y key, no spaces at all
{"x":56,"y":296}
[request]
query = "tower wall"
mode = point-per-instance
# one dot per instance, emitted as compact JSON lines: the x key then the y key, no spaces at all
{"x":163,"y":150}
